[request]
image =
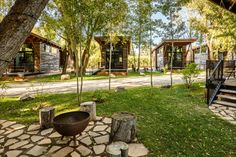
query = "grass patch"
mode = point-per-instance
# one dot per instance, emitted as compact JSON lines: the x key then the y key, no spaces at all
{"x":171,"y":122}
{"x":57,"y":77}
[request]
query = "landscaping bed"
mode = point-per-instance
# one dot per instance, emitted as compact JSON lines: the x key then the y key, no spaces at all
{"x":171,"y":122}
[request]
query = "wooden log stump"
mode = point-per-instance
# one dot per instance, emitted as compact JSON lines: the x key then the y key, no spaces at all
{"x":46,"y":116}
{"x":123,"y":127}
{"x":89,"y":107}
{"x":117,"y":149}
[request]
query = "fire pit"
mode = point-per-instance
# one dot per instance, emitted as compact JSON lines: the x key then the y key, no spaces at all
{"x":71,"y":123}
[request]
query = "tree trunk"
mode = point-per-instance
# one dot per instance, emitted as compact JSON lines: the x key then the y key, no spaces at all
{"x":66,"y":57}
{"x":16,"y":27}
{"x":123,"y":127}
{"x":86,"y":54}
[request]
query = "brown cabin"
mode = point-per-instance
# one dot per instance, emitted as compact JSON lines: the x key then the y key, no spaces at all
{"x":36,"y":55}
{"x":119,"y":58}
{"x":181,"y":57}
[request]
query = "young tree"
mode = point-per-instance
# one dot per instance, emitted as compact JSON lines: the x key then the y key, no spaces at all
{"x":172,"y":27}
{"x":16,"y":27}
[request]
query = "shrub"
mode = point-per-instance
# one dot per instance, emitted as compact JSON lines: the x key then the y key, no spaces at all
{"x":191,"y":71}
{"x":100,"y":96}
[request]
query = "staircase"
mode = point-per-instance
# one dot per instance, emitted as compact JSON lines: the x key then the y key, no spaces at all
{"x":226,"y":97}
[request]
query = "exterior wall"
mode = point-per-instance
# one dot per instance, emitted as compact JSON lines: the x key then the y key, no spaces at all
{"x":200,"y":60}
{"x":125,"y":57}
{"x":50,"y":58}
{"x":36,"y":47}
{"x":184,"y":56}
{"x":160,"y":58}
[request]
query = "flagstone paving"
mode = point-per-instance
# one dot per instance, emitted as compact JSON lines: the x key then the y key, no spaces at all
{"x":224,"y":112}
{"x":18,"y":140}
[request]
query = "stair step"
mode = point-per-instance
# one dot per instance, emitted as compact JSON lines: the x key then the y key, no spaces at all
{"x":228,"y":91}
{"x":225,"y":103}
{"x":226,"y":96}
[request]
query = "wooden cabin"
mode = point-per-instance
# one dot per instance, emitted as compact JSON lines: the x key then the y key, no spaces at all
{"x":119,"y":57}
{"x":37,"y":55}
{"x":181,"y":57}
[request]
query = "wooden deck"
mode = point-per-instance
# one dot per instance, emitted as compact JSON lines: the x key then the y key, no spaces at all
{"x":230,"y":82}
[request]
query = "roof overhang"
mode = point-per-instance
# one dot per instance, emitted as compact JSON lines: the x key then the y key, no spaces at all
{"x":179,"y":42}
{"x":226,"y":4}
{"x":37,"y":38}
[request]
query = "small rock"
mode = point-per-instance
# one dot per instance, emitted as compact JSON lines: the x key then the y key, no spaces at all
{"x":26,"y":97}
{"x":166,"y":86}
{"x":112,"y":75}
{"x":98,"y":149}
{"x":137,"y":150}
{"x":65,"y":77}
{"x":142,"y":74}
{"x":120,"y":89}
{"x":84,"y":151}
{"x":1,"y":140}
{"x":74,"y":143}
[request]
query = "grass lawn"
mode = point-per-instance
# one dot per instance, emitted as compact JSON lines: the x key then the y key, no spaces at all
{"x":171,"y":122}
{"x":57,"y":77}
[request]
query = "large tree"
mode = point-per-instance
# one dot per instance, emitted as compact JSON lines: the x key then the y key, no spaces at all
{"x":16,"y":27}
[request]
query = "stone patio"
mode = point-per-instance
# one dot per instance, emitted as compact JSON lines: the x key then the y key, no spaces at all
{"x":20,"y":140}
{"x":224,"y":112}
{"x":17,"y":140}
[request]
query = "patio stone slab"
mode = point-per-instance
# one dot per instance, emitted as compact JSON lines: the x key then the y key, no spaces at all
{"x":34,"y":127}
{"x":137,"y":150}
{"x":13,"y":153}
{"x":24,"y":136}
{"x":15,"y":133}
{"x":36,"y":138}
{"x":99,"y":149}
{"x":7,"y":124}
{"x":37,"y":150}
{"x":47,"y":131}
{"x":19,"y":144}
{"x":100,"y":128}
{"x":27,"y":141}
{"x":87,"y":141}
{"x":63,"y":152}
{"x":84,"y":151}
{"x":75,"y":154}
{"x":102,"y":139}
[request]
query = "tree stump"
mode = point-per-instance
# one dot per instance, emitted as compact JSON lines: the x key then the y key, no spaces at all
{"x":89,"y":107}
{"x":46,"y":116}
{"x":117,"y":149}
{"x":123,"y":127}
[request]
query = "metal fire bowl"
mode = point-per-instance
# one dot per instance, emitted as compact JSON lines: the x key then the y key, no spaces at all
{"x":71,"y":123}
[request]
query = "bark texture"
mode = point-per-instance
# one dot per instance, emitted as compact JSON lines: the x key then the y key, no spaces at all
{"x":46,"y":116}
{"x":16,"y":27}
{"x":123,"y":127}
